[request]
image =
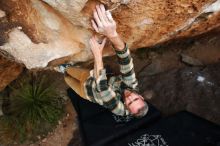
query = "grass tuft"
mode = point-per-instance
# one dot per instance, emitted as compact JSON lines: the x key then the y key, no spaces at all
{"x":33,"y":107}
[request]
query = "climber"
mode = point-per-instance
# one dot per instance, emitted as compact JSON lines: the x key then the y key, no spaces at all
{"x":119,"y":93}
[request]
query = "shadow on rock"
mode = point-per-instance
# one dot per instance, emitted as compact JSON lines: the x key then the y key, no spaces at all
{"x":195,"y":89}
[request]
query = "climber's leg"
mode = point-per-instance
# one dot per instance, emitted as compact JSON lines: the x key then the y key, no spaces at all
{"x":76,"y":85}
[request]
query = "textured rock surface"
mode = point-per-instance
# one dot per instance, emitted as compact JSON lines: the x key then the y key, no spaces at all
{"x":38,"y":32}
{"x":8,"y":72}
{"x":194,"y":89}
{"x":41,"y":34}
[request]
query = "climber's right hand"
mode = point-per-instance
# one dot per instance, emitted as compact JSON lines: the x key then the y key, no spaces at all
{"x":103,"y":22}
{"x":97,"y":46}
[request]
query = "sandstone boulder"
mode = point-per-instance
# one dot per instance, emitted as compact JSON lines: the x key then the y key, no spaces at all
{"x":9,"y":71}
{"x":39,"y":33}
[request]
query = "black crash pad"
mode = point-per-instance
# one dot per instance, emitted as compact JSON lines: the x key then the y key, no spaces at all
{"x":99,"y":126}
{"x":181,"y":129}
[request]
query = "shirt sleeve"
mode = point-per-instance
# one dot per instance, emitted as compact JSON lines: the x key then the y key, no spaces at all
{"x":111,"y":99}
{"x":127,"y":68}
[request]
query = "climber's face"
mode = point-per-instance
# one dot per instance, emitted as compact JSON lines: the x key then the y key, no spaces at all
{"x":133,"y":101}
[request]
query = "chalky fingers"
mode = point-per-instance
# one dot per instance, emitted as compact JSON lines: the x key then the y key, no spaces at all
{"x":109,"y":16}
{"x":97,"y":19}
{"x":94,"y":26}
{"x":104,"y":13}
{"x":100,"y":14}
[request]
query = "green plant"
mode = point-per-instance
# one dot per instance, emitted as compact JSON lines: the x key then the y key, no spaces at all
{"x":34,"y":107}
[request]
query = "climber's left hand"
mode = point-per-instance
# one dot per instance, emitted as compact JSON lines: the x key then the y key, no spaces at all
{"x":103,"y":22}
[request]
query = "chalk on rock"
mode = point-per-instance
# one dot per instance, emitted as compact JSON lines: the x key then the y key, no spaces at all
{"x":19,"y":27}
{"x":115,"y":1}
{"x":200,"y":79}
{"x":125,"y":2}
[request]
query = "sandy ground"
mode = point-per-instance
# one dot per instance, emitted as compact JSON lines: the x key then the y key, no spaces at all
{"x":63,"y":133}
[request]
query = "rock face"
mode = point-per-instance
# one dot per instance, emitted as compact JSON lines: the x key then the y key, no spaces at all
{"x":195,"y":89}
{"x":8,"y":72}
{"x":39,"y":33}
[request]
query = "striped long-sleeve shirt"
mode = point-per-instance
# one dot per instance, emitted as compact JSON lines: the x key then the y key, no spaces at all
{"x":108,"y":93}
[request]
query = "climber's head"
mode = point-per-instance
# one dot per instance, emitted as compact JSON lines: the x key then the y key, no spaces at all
{"x":135,"y":103}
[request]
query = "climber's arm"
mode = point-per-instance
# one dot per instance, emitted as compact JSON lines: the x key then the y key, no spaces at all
{"x":97,"y":53}
{"x":103,"y":23}
{"x":109,"y":98}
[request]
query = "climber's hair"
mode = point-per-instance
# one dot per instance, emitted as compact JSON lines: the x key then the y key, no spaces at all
{"x":142,"y":111}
